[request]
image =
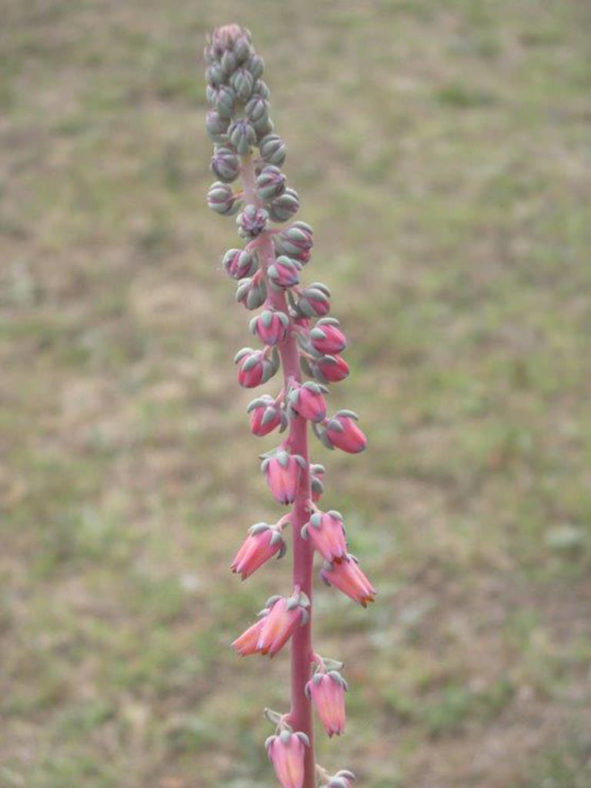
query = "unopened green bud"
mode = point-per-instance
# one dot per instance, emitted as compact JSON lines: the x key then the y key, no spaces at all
{"x":216,"y":126}
{"x":270,"y":183}
{"x":261,"y":89}
{"x":272,"y":149}
{"x":285,"y":206}
{"x":255,"y":65}
{"x":225,"y":102}
{"x":222,"y":199}
{"x":252,"y":222}
{"x":225,"y":164}
{"x":257,"y":109}
{"x":242,"y":136}
{"x":229,"y":63}
{"x":242,"y":82}
{"x":214,"y":75}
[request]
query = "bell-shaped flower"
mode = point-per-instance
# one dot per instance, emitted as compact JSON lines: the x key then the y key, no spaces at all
{"x":332,"y":368}
{"x":265,"y":415}
{"x":283,"y":471}
{"x":270,"y":326}
{"x":308,"y":400}
{"x":262,"y":543}
{"x":327,"y":693}
{"x":326,"y":534}
{"x":287,"y":753}
{"x":348,"y":577}
{"x":342,"y":431}
{"x":247,"y":643}
{"x":284,"y":616}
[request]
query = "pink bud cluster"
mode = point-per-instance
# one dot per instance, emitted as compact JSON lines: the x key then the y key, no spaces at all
{"x":298,"y":336}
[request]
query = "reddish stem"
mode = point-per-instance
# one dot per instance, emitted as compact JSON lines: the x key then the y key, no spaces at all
{"x":300,"y":715}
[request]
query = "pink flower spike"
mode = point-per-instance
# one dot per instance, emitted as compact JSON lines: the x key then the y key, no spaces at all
{"x":325,"y":532}
{"x":265,"y":416}
{"x":287,"y":752}
{"x":283,"y":474}
{"x":332,"y":368}
{"x":261,"y":544}
{"x":327,"y":337}
{"x":278,"y":626}
{"x":343,"y":432}
{"x":327,"y":692}
{"x":350,"y":579}
{"x":308,"y":401}
{"x":246,"y":644}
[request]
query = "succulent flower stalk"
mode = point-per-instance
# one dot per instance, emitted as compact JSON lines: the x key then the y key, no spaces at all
{"x":299,"y":338}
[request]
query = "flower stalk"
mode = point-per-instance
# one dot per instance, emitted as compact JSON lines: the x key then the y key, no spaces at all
{"x":299,"y":338}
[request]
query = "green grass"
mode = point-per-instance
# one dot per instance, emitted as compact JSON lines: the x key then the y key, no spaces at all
{"x":441,"y":154}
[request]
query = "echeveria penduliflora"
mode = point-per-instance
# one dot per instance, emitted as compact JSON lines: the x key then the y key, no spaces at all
{"x":298,"y":337}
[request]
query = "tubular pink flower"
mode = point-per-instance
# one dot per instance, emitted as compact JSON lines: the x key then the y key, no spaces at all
{"x":327,"y":691}
{"x":286,"y":752}
{"x":350,"y":579}
{"x":343,"y":432}
{"x":283,"y":473}
{"x":327,"y":337}
{"x":333,"y":368}
{"x":325,"y":532}
{"x":278,"y":626}
{"x":261,"y":544}
{"x":246,"y":644}
{"x":308,"y":401}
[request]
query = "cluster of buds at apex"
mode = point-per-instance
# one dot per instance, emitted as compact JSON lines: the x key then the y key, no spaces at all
{"x":240,"y":263}
{"x":283,"y":471}
{"x":255,"y":366}
{"x":327,"y":693}
{"x":270,"y":326}
{"x":272,"y":149}
{"x":342,"y":779}
{"x":341,"y":431}
{"x":277,"y":623}
{"x":222,"y":200}
{"x":316,"y":476}
{"x":295,"y":241}
{"x":326,"y":533}
{"x":286,"y":752}
{"x":225,"y":163}
{"x":252,"y":221}
{"x":284,"y":272}
{"x":265,"y":416}
{"x":252,"y":292}
{"x":348,"y":577}
{"x":307,"y":399}
{"x":314,"y":301}
{"x":284,"y":206}
{"x":262,"y":543}
{"x":270,"y":183}
{"x":327,"y":337}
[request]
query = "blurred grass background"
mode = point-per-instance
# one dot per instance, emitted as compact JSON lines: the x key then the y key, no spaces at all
{"x":441,"y":151}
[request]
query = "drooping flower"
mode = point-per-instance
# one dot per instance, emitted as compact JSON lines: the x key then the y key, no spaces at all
{"x":350,"y":579}
{"x":308,"y":400}
{"x":332,"y":368}
{"x":325,"y":532}
{"x":265,"y":415}
{"x":287,"y":752}
{"x":285,"y":614}
{"x":283,"y":470}
{"x":246,"y":644}
{"x":262,"y":543}
{"x":327,"y":693}
{"x":342,"y":431}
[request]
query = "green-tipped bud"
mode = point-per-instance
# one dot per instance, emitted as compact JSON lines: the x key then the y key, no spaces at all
{"x":225,"y":102}
{"x":252,"y":222}
{"x":285,"y":206}
{"x":214,"y":75}
{"x":257,"y":109}
{"x":229,"y":63}
{"x":242,"y":81}
{"x":252,"y":293}
{"x":272,"y":149}
{"x":270,"y":183}
{"x":242,"y":136}
{"x":225,"y":164}
{"x":222,"y":199}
